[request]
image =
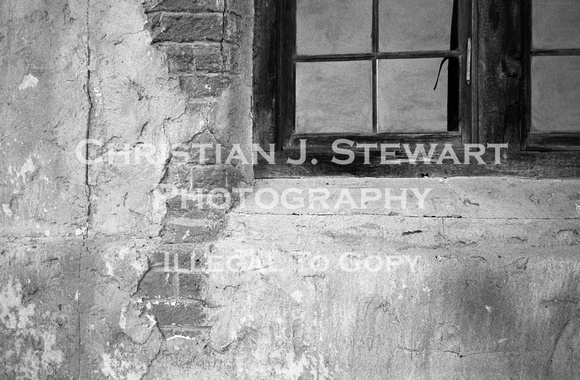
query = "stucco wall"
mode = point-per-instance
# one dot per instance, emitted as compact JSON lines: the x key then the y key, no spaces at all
{"x":94,"y":280}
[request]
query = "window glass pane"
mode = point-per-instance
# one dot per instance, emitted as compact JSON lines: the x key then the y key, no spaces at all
{"x":334,"y":97}
{"x":333,"y":26}
{"x":406,"y":99}
{"x":411,"y":25}
{"x":556,"y":24}
{"x":555,"y":95}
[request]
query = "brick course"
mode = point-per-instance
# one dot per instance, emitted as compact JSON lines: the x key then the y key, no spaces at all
{"x":185,"y":5}
{"x":183,"y":27}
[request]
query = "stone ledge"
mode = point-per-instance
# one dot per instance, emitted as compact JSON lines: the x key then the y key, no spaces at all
{"x":457,"y":198}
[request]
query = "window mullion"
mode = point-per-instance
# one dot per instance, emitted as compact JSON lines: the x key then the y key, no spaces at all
{"x":375,"y":41}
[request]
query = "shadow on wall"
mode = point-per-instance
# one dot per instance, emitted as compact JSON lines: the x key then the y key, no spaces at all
{"x":564,"y":359}
{"x":496,"y":318}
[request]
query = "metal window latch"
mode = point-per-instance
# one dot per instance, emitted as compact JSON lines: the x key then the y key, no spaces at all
{"x":468,"y":67}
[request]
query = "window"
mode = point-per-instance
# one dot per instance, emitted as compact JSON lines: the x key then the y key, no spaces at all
{"x":373,"y":70}
{"x":366,"y":70}
{"x":552,"y":61}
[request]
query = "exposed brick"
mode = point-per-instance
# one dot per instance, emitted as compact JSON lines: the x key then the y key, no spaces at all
{"x":206,"y":177}
{"x":169,"y":27}
{"x":158,"y":258}
{"x":200,"y":57}
{"x":181,"y":59}
{"x":199,"y":334}
{"x":197,"y":86}
{"x":222,"y":176}
{"x":179,"y":314}
{"x":157,"y":285}
{"x":184,"y":254}
{"x":232,"y":52}
{"x":234,"y":25}
{"x":184,"y":5}
{"x":190,"y":285}
{"x":194,"y":152}
{"x":181,"y":230}
{"x":209,"y":58}
{"x":185,"y":207}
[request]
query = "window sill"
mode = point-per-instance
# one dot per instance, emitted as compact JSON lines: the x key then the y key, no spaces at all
{"x":526,"y":164}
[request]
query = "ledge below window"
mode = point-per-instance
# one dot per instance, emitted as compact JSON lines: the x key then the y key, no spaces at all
{"x":511,"y":163}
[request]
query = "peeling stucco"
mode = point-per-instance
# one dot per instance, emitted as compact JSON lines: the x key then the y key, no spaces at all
{"x":96,"y":278}
{"x":29,"y":350}
{"x":29,"y":81}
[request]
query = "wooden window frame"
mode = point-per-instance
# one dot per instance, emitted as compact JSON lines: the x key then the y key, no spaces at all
{"x":534,"y":141}
{"x":499,"y":103}
{"x":287,"y":58}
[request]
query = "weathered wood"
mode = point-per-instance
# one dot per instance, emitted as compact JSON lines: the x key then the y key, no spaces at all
{"x":285,"y":100}
{"x":500,"y":71}
{"x":264,"y":72}
{"x":539,"y":141}
{"x":549,"y":52}
{"x":498,"y":112}
{"x":376,"y":49}
{"x":379,"y":55}
{"x":513,"y":163}
{"x":553,"y":141}
{"x":326,"y":140}
{"x":460,"y":93}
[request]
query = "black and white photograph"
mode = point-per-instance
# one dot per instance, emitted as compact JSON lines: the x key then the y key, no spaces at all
{"x":289,"y":189}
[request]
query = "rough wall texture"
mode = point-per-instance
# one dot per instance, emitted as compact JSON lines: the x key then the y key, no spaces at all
{"x":481,"y":283}
{"x":78,"y":239}
{"x":95,"y":259}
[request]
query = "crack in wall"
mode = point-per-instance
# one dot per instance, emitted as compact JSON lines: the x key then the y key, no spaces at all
{"x":157,"y":356}
{"x":85,"y":234}
{"x":555,"y":346}
{"x":89,"y":118}
{"x":224,"y":33}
